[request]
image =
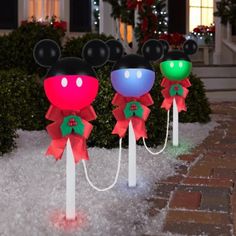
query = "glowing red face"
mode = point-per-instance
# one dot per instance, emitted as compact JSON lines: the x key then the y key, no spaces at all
{"x":71,"y":92}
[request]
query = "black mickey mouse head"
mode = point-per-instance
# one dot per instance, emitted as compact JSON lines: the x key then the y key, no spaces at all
{"x":190,"y":47}
{"x":165,"y":46}
{"x":116,"y":49}
{"x":152,"y":50}
{"x":47,"y":54}
{"x":95,"y":52}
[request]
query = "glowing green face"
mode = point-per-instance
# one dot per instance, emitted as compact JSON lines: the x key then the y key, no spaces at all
{"x":176,"y":69}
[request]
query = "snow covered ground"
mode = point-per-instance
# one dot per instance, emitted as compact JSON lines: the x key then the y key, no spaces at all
{"x":32,"y":188}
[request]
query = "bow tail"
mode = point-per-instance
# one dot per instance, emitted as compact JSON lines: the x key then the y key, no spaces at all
{"x":121,"y":128}
{"x":139,"y":128}
{"x":79,"y":148}
{"x":56,"y":148}
{"x":180,"y":101}
{"x":167,"y":103}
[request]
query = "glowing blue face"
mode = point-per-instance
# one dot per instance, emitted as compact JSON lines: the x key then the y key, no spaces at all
{"x":132,"y":82}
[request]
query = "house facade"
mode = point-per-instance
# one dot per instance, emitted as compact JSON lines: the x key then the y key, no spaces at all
{"x":78,"y":14}
{"x":183,"y":16}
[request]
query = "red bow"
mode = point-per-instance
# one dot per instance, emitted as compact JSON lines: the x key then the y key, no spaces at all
{"x":138,"y":123}
{"x":168,"y":99}
{"x":78,"y":142}
{"x":132,"y":4}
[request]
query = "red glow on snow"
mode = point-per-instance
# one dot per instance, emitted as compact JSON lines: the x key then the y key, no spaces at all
{"x":60,"y":222}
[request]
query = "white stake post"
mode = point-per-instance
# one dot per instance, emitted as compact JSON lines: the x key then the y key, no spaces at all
{"x":132,"y":157}
{"x":175,"y":124}
{"x":70,"y":183}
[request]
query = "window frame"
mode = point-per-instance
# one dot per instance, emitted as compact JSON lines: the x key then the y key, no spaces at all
{"x":188,"y":13}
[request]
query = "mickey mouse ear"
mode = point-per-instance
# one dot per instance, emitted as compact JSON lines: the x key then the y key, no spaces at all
{"x":46,"y":52}
{"x":190,"y":47}
{"x":165,"y":45}
{"x":152,"y":50}
{"x":95,"y":52}
{"x":116,"y":49}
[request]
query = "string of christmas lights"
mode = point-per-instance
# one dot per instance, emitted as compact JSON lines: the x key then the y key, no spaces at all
{"x":96,"y":15}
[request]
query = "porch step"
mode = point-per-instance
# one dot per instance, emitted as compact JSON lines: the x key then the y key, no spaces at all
{"x":221,"y":96}
{"x":219,"y":81}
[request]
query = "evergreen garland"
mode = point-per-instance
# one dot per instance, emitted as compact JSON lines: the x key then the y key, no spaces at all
{"x":152,"y":16}
{"x":96,"y":15}
{"x":226,"y":10}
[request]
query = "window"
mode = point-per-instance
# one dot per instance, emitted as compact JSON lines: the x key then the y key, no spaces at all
{"x":129,"y":32}
{"x":43,"y":8}
{"x":8,"y":15}
{"x":200,"y":13}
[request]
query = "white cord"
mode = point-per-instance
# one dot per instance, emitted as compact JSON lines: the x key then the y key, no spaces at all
{"x":167,"y":130}
{"x":116,"y":177}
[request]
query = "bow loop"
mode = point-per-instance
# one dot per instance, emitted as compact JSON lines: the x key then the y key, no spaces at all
{"x":134,"y":110}
{"x":73,"y":125}
{"x":175,"y":90}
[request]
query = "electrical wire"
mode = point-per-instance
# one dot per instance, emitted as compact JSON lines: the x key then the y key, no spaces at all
{"x":116,"y":177}
{"x":166,"y":139}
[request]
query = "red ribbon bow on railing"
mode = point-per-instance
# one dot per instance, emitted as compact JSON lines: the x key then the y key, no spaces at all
{"x":78,"y":142}
{"x":120,"y":114}
{"x":179,"y":95}
{"x":132,"y":4}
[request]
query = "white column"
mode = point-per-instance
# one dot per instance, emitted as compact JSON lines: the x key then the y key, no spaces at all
{"x":229,"y":32}
{"x":36,"y":10}
{"x":206,"y":57}
{"x":70,"y":182}
{"x":50,"y":11}
{"x":218,"y":38}
{"x":43,"y":9}
{"x":132,"y":157}
{"x":65,"y":12}
{"x":136,"y":21}
{"x":106,"y":24}
{"x":62,"y":10}
{"x":175,"y":124}
{"x":22,"y":11}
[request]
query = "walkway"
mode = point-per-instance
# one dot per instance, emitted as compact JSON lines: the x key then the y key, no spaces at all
{"x":201,"y":198}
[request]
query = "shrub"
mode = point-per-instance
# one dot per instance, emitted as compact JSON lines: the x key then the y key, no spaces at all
{"x":17,"y":47}
{"x":7,"y":127}
{"x":73,"y":47}
{"x":7,"y":131}
{"x":102,"y":127}
{"x":198,"y":107}
{"x":26,"y":100}
{"x":7,"y":119}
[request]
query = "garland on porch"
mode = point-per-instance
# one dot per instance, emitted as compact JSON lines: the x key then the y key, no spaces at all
{"x":226,"y":10}
{"x":152,"y":16}
{"x":96,"y":15}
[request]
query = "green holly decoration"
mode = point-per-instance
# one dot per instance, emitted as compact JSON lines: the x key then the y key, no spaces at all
{"x":72,"y":123}
{"x":176,"y":89}
{"x":133,"y":109}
